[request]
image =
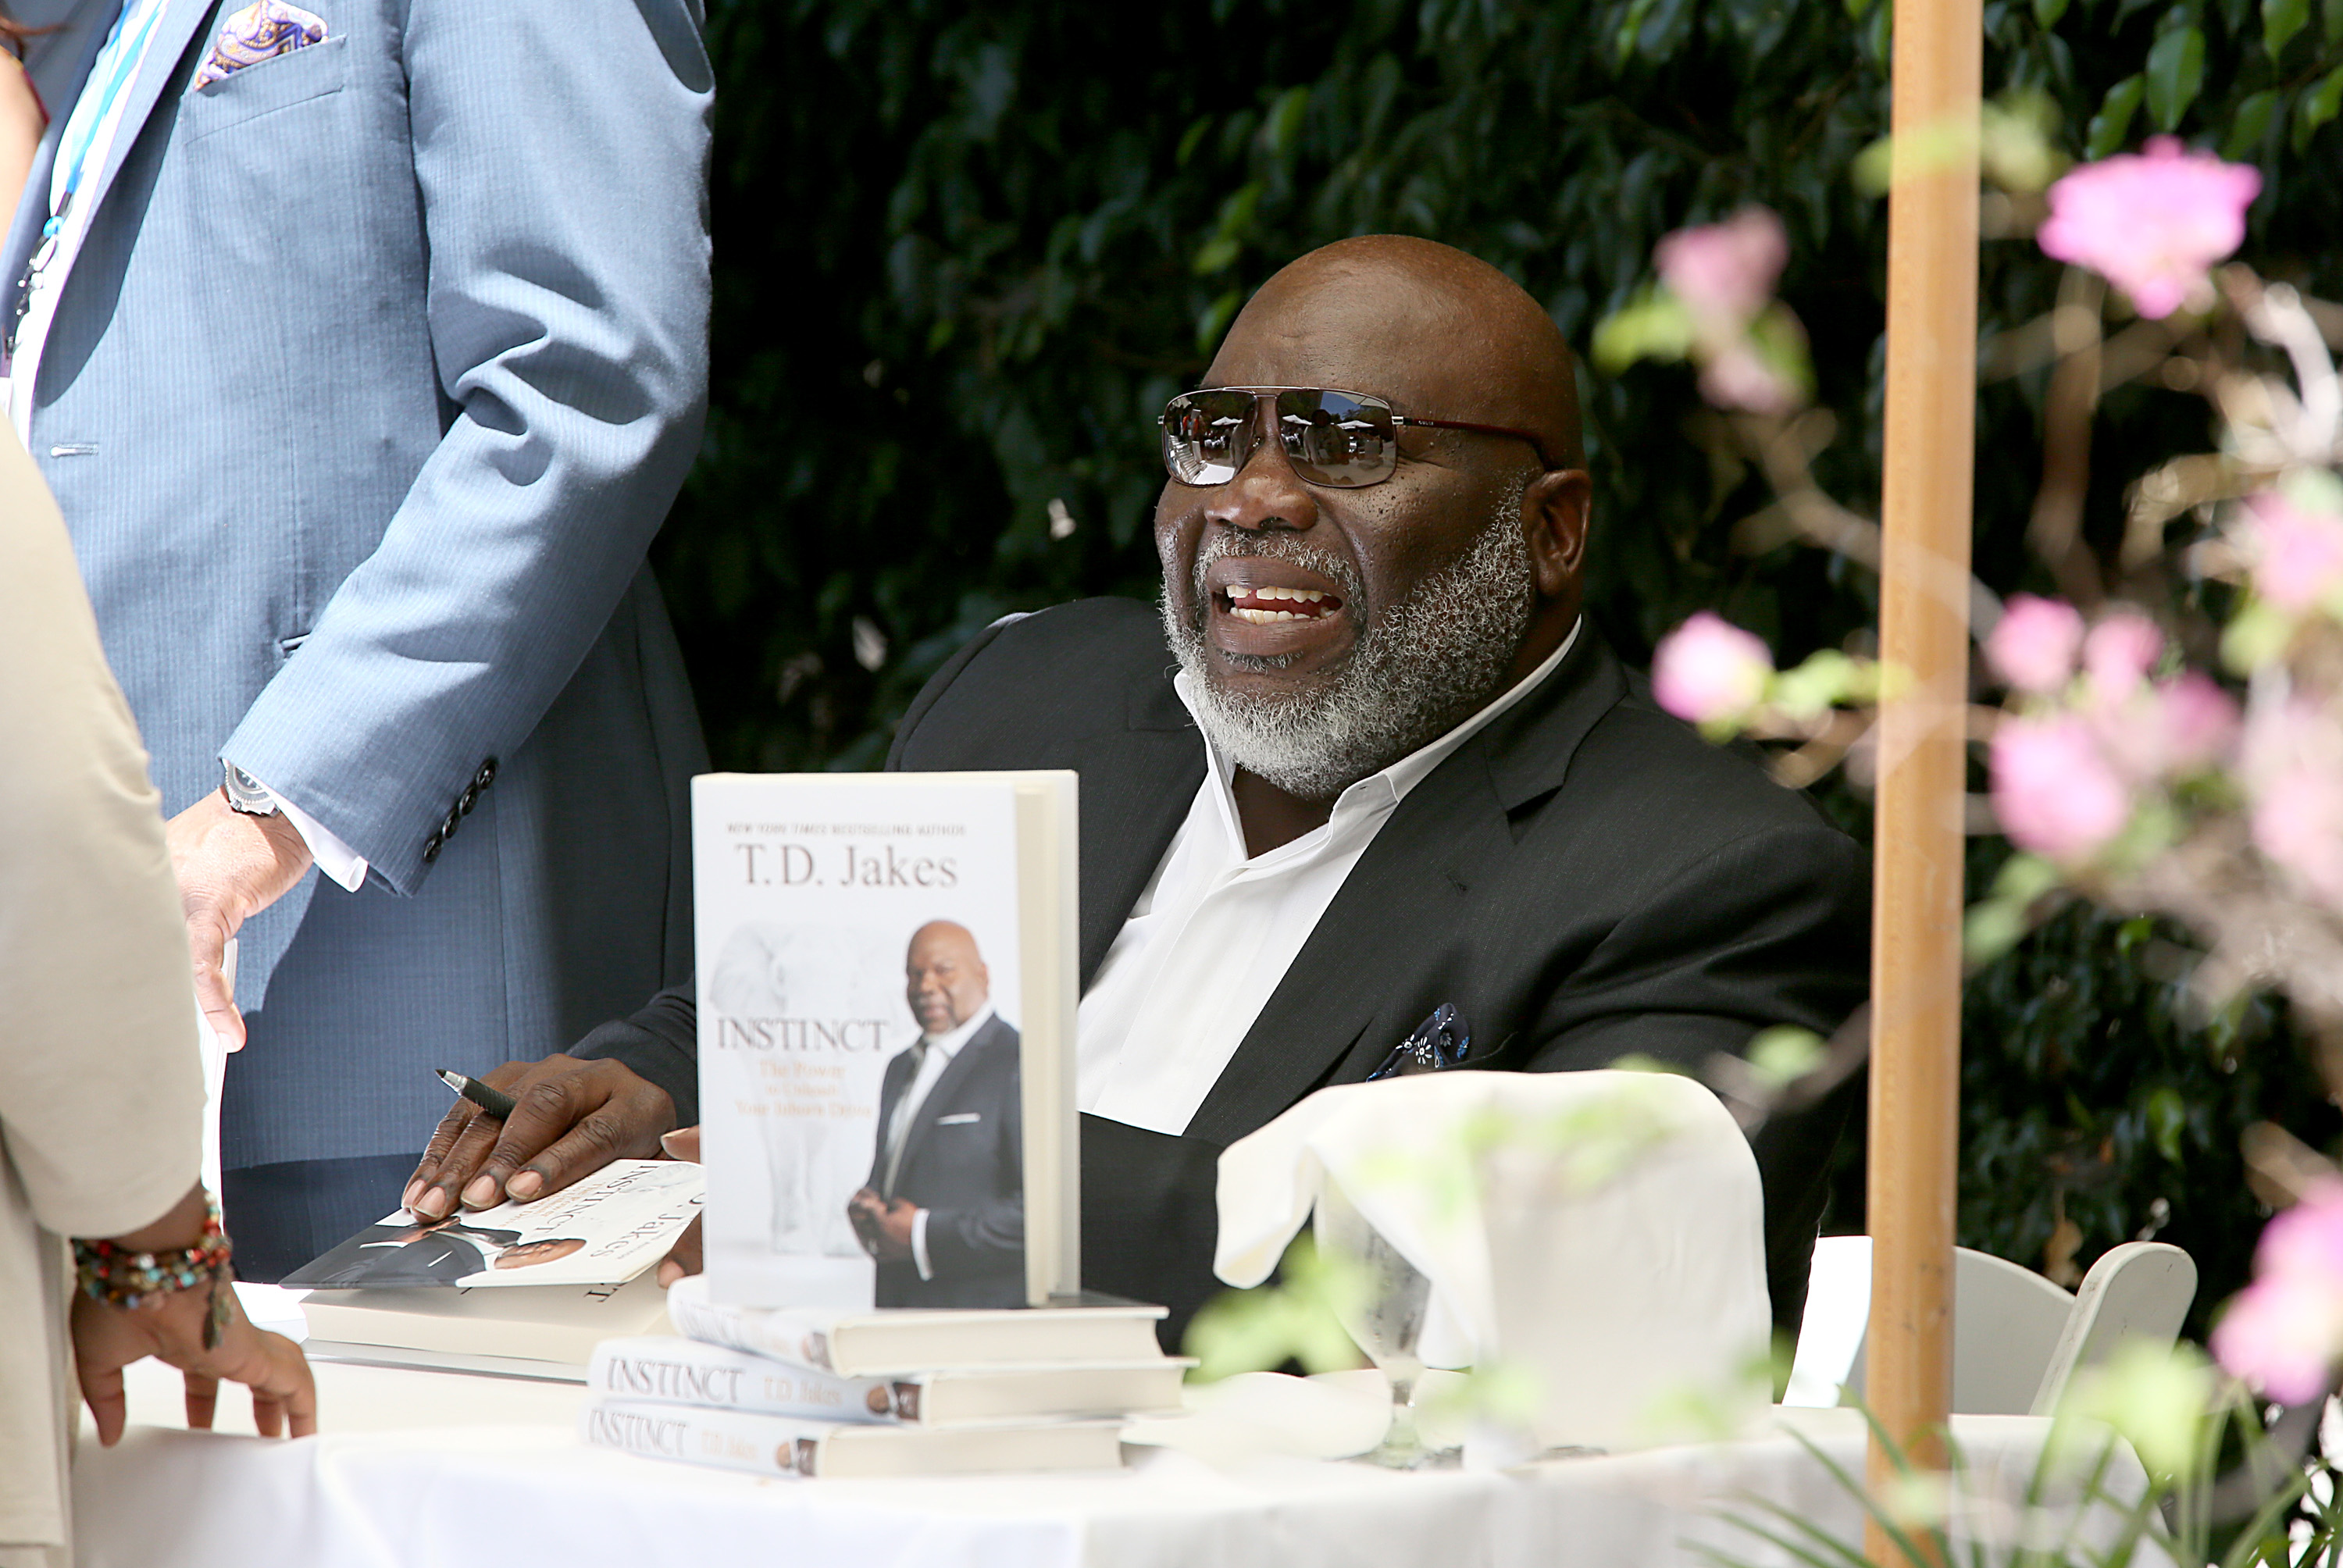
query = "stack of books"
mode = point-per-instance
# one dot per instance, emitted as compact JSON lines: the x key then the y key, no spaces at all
{"x":899,"y":1392}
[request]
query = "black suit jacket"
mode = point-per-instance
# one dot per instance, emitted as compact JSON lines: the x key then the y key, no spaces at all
{"x":964,"y":1162}
{"x":1583,"y":879}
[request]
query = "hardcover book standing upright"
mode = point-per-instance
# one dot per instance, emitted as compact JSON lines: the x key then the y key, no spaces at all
{"x":887,"y":991}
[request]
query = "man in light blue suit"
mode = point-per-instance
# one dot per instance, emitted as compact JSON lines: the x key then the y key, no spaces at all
{"x":364,"y":345}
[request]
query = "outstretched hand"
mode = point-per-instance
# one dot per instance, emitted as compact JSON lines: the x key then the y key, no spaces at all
{"x":571,"y":1118}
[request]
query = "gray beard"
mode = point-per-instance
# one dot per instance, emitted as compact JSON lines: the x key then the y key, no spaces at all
{"x":1426,"y":664}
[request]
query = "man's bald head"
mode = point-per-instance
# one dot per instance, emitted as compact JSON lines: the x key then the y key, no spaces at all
{"x":1405,"y":316}
{"x":1331,"y":629}
{"x":944,"y":976}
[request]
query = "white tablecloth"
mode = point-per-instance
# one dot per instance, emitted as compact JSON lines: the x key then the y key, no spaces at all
{"x":424,"y":1468}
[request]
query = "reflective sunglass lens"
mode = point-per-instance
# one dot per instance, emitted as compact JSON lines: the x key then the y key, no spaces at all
{"x":1335,"y":439}
{"x":1205,"y":435}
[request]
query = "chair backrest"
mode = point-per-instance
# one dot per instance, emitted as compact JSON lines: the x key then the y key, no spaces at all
{"x":2141,"y":1290}
{"x":2017,"y":1339}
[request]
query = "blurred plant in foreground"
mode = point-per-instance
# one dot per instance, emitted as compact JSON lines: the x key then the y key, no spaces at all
{"x":2168,"y":735}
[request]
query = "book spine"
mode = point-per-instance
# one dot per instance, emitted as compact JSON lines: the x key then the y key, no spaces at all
{"x":736,"y":1381}
{"x":760,"y":1333}
{"x":760,"y":1444}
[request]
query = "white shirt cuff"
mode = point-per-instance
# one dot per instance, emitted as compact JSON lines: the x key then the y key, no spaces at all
{"x":919,"y":1245}
{"x":337,"y":860}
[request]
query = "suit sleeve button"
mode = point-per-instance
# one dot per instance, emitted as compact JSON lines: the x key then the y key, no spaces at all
{"x":431,"y":847}
{"x":469,"y":799}
{"x":485,"y":776}
{"x":447,"y":826}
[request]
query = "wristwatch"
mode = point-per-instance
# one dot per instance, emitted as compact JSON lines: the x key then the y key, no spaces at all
{"x":245,"y":793}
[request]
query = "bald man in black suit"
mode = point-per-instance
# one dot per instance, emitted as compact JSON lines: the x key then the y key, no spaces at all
{"x":1373,"y":538}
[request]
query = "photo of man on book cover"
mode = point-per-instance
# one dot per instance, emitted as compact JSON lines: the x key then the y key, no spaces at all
{"x":385,"y":1256}
{"x":943,"y":1212}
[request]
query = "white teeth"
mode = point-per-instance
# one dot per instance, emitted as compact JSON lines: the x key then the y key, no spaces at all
{"x":1298,"y":595}
{"x":1265,"y":617}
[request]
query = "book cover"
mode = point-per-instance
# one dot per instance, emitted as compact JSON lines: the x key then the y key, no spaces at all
{"x":887,"y":977}
{"x":888,"y":1344}
{"x":665,"y":1370}
{"x":604,"y":1230}
{"x":788,"y":1445}
{"x":671,"y":1371}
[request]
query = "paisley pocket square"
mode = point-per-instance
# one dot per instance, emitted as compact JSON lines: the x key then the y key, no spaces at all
{"x":261,"y":31}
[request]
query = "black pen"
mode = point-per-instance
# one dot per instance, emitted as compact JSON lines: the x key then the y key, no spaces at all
{"x":495,"y":1103}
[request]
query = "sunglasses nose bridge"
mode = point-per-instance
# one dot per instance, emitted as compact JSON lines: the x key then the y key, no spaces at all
{"x":1264,"y":493}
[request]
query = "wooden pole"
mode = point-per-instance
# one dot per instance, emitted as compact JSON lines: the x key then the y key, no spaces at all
{"x":1932,"y":250}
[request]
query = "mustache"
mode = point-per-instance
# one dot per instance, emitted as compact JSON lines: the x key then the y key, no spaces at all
{"x":1227,"y":543}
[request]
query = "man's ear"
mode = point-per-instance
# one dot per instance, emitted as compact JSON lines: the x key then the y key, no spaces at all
{"x":1553,"y":521}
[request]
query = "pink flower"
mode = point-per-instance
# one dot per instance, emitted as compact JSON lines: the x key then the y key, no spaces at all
{"x":2120,"y":651}
{"x":2297,"y":555}
{"x":2035,"y":644}
{"x":2305,"y":1240}
{"x":2197,"y":722}
{"x":2280,"y":1334}
{"x":2053,"y":790}
{"x":2294,"y":773}
{"x":2283,"y":1331}
{"x":2176,"y":729}
{"x":1725,"y":272}
{"x":1708,"y":670}
{"x":2153,"y":225}
{"x":2297,"y":822}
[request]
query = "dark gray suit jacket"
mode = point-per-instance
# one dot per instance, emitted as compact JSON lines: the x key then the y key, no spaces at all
{"x":964,"y":1162}
{"x":1585,"y":879}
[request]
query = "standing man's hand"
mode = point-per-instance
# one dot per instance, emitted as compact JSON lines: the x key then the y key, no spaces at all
{"x":231,"y":865}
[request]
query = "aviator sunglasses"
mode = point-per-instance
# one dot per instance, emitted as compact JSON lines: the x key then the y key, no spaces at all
{"x":1342,"y":440}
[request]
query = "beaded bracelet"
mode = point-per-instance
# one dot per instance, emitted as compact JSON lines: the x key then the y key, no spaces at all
{"x":121,"y":1278}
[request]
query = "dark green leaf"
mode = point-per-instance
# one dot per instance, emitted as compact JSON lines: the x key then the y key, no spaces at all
{"x":1283,"y":130}
{"x":2047,"y":12}
{"x":2317,"y":106}
{"x":2176,"y":71}
{"x":2281,"y":20}
{"x":2112,"y":124}
{"x":2250,"y":124}
{"x":2167,"y":1119}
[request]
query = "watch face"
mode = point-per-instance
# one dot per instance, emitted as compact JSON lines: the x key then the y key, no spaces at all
{"x":245,"y":793}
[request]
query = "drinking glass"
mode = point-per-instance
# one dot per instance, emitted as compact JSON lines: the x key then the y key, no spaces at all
{"x":1386,"y":1323}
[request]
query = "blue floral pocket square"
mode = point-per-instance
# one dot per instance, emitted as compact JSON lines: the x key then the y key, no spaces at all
{"x":1440,"y":1042}
{"x":261,"y":31}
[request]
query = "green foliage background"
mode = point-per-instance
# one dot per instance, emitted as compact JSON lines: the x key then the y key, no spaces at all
{"x":966,"y":250}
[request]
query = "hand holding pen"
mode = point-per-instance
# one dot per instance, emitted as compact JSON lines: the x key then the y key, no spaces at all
{"x":561,"y":1119}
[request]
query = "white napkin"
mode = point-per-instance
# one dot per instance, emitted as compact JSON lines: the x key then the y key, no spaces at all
{"x":1602,"y":1232}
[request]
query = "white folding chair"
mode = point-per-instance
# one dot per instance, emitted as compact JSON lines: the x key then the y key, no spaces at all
{"x":2017,"y":1339}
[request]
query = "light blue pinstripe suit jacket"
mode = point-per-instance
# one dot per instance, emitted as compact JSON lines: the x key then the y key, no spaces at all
{"x":379,"y":368}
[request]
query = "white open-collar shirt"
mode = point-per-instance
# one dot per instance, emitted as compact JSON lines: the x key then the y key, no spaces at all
{"x":1216,"y":930}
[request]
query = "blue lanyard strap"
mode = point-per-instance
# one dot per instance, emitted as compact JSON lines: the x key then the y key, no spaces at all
{"x":121,"y":63}
{"x":124,"y":65}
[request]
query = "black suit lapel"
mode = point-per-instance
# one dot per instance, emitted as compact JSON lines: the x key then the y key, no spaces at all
{"x":955,"y":1074}
{"x":897,"y":1078}
{"x":1397,"y":908}
{"x":1136,"y":789}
